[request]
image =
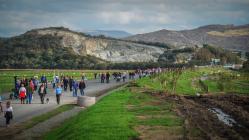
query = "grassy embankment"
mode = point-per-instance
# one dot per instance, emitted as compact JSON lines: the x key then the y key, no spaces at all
{"x":216,"y":79}
{"x":123,"y":114}
{"x":135,"y":111}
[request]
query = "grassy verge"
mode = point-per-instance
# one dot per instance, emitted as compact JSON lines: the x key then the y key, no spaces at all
{"x":38,"y":119}
{"x":218,"y":80}
{"x":121,"y":115}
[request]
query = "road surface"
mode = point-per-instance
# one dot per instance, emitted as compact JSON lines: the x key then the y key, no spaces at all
{"x":23,"y":112}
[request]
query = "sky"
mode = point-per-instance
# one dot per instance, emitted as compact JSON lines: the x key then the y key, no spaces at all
{"x":134,"y":16}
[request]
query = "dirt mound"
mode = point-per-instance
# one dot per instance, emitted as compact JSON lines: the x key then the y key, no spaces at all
{"x":215,"y":117}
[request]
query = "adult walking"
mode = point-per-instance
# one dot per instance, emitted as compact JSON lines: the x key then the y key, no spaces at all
{"x":1,"y":107}
{"x":102,"y":77}
{"x":30,"y":91}
{"x":44,"y":79}
{"x":124,"y":76}
{"x":108,"y":77}
{"x":42,"y":92}
{"x":75,"y":88}
{"x":95,"y":75}
{"x":22,"y":93}
{"x":71,"y":83}
{"x":82,"y":86}
{"x":65,"y":83}
{"x":58,"y":92}
{"x":36,"y":83}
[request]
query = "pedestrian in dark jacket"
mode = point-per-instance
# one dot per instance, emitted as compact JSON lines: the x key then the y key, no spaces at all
{"x":1,"y":107}
{"x":107,"y":77}
{"x":71,"y":83}
{"x":65,"y":83}
{"x":42,"y":92}
{"x":82,"y":87}
{"x":102,"y":77}
{"x":95,"y":75}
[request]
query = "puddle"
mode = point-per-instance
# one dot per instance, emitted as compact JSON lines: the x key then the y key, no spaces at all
{"x":225,"y":118}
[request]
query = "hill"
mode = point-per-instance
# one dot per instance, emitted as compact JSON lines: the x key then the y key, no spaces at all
{"x":108,"y":33}
{"x":225,"y":36}
{"x":62,"y":48}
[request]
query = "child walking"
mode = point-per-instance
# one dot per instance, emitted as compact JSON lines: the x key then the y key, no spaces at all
{"x":22,"y":93}
{"x":8,"y":113}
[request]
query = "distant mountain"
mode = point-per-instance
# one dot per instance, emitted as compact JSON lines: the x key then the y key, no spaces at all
{"x":59,"y":47}
{"x":225,"y":36}
{"x":108,"y":33}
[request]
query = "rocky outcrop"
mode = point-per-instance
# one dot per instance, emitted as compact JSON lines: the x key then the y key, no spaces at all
{"x":104,"y":48}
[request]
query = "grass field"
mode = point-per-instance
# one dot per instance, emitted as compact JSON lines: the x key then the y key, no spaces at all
{"x":217,"y":80}
{"x":120,"y":115}
{"x":137,"y":112}
{"x":7,"y":76}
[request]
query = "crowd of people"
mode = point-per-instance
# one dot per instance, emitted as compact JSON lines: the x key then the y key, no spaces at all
{"x":25,"y":88}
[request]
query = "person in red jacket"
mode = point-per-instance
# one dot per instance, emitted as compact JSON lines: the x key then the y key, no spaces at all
{"x":22,"y":93}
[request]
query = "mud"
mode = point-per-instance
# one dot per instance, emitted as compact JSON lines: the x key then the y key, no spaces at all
{"x":216,"y":117}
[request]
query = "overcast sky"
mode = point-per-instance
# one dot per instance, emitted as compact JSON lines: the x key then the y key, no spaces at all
{"x":134,"y":16}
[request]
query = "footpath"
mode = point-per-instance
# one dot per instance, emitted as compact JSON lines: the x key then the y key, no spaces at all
{"x":24,"y":112}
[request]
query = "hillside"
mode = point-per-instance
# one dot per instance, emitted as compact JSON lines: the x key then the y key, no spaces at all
{"x":65,"y":47}
{"x":225,"y":36}
{"x":108,"y":33}
{"x":199,"y":56}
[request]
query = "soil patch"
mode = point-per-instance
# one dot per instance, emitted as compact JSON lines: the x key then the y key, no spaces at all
{"x":209,"y":114}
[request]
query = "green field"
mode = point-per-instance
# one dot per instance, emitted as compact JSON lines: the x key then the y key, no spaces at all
{"x":7,"y":76}
{"x":120,"y":116}
{"x":218,"y":80}
{"x":136,"y":112}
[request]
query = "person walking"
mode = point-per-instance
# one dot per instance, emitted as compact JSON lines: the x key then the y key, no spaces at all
{"x":8,"y":113}
{"x":54,"y":82}
{"x":124,"y":76}
{"x":95,"y":75}
{"x":1,"y":107}
{"x":44,"y":80}
{"x":65,"y":83}
{"x":58,"y":92}
{"x":82,"y":87}
{"x":42,"y":92}
{"x":102,"y":77}
{"x":75,"y":88}
{"x":71,"y":83}
{"x":107,"y":77}
{"x":36,"y":82}
{"x":22,"y":93}
{"x":30,"y":91}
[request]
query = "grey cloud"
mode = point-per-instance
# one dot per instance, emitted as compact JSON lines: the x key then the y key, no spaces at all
{"x":135,"y":16}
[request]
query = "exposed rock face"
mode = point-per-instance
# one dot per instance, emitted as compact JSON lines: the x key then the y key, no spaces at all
{"x":226,"y":36}
{"x":106,"y":49}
